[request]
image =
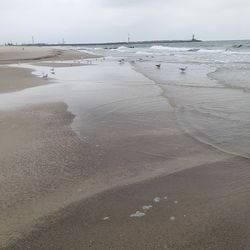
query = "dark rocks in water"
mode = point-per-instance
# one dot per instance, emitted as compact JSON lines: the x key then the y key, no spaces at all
{"x":237,"y":46}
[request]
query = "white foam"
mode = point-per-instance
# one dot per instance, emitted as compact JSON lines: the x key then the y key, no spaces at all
{"x":170,"y":48}
{"x":172,"y":218}
{"x":106,"y":218}
{"x":147,"y":207}
{"x":121,"y":49}
{"x":137,"y":214}
{"x":143,"y":53}
{"x":157,"y":199}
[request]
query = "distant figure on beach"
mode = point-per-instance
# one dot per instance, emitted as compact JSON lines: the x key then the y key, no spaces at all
{"x":158,"y":66}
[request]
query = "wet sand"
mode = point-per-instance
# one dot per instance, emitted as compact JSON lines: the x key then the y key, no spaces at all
{"x":40,"y":157}
{"x":60,"y":64}
{"x":206,"y":207}
{"x":16,"y":79}
{"x":63,"y":190}
{"x":37,"y":147}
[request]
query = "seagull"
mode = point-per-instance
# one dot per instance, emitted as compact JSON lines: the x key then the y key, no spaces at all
{"x":52,"y":71}
{"x":121,"y":61}
{"x":183,"y":69}
{"x":158,"y":66}
{"x":45,"y":76}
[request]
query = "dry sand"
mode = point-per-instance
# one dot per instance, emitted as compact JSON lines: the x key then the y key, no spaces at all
{"x":18,"y":54}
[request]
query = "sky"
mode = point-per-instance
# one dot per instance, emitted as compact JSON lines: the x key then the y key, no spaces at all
{"x":89,"y":21}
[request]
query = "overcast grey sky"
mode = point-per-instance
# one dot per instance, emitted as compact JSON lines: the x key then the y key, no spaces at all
{"x":112,"y":20}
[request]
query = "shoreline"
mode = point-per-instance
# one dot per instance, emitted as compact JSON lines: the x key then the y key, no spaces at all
{"x":66,"y":190}
{"x":19,"y":78}
{"x":24,"y":136}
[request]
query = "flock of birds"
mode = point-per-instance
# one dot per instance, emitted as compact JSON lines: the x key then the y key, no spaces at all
{"x":182,"y":69}
{"x":158,"y":66}
{"x":45,"y":76}
{"x":52,"y":70}
{"x":121,"y":61}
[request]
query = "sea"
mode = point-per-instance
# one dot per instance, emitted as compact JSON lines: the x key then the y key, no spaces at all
{"x":211,"y":99}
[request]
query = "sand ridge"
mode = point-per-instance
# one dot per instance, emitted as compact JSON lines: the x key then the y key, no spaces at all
{"x":18,"y":54}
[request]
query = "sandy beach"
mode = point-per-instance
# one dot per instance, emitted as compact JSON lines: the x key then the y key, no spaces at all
{"x":95,"y":157}
{"x":18,"y":54}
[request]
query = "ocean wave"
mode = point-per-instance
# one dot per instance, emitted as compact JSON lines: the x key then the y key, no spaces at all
{"x":144,"y":53}
{"x":232,"y":78}
{"x":231,"y":52}
{"x":158,"y":47}
{"x":211,"y":51}
{"x":186,"y":49}
{"x":121,"y":49}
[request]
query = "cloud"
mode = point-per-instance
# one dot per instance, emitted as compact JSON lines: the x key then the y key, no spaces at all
{"x":111,"y":20}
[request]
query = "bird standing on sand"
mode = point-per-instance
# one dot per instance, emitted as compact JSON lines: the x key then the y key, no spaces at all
{"x":158,"y":66}
{"x":183,"y":69}
{"x":52,"y":71}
